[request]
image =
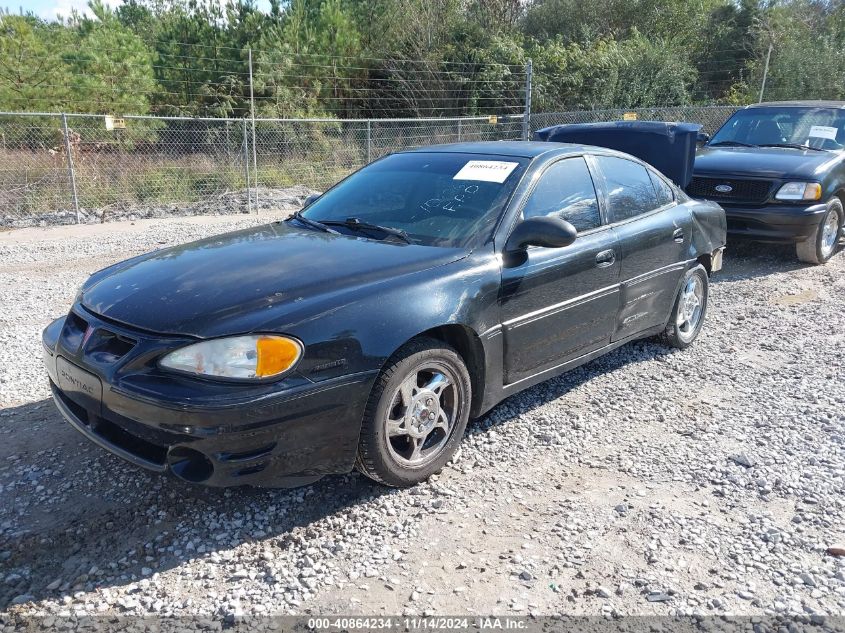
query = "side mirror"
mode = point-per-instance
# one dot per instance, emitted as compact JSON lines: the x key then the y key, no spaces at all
{"x":310,"y":199}
{"x":541,"y":231}
{"x":702,"y":139}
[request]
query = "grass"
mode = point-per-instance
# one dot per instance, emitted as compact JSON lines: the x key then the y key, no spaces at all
{"x":35,"y":182}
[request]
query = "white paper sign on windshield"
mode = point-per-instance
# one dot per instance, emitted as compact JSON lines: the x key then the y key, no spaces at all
{"x":823,"y":131}
{"x":486,"y":170}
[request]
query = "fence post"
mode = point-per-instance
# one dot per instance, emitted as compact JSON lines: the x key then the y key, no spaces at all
{"x":246,"y":171}
{"x":765,"y":73}
{"x":252,"y":115}
{"x":459,"y":130}
{"x":526,"y":117}
{"x":70,"y":167}
{"x":369,"y":141}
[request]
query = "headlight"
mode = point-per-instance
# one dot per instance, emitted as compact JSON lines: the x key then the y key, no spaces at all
{"x":800,"y":191}
{"x":254,"y":356}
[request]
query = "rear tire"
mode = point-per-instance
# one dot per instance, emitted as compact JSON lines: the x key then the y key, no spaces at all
{"x":690,"y":308}
{"x":416,"y":415}
{"x":821,"y":245}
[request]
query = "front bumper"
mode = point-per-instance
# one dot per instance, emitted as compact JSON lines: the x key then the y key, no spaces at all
{"x":290,"y":436}
{"x":773,"y":223}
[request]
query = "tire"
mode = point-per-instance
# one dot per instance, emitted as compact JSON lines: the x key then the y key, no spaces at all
{"x":416,"y":415}
{"x":821,"y":245}
{"x":689,"y":310}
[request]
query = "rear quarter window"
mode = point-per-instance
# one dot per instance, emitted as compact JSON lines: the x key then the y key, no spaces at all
{"x":663,"y":190}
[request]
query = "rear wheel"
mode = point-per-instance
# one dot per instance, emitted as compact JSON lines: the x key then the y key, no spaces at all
{"x":690,"y":309}
{"x":416,"y":415}
{"x":821,"y":245}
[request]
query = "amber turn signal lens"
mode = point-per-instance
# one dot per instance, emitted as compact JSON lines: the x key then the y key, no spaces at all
{"x":275,"y":355}
{"x":813,"y":191}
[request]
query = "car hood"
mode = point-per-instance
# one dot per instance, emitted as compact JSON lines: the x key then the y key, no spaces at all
{"x":764,"y":162}
{"x":243,"y":281}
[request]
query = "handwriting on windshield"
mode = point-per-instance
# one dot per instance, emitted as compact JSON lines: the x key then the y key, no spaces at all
{"x":453,"y":199}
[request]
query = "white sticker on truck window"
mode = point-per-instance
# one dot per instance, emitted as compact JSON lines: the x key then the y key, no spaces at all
{"x":486,"y":170}
{"x":823,"y":131}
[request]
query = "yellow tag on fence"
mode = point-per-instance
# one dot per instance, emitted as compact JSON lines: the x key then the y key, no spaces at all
{"x":629,"y":116}
{"x":114,"y":123}
{"x":492,"y":119}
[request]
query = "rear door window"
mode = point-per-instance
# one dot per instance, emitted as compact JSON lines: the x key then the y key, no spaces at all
{"x":630,"y":191}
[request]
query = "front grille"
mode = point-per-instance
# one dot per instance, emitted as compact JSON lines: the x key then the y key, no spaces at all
{"x":98,"y":343}
{"x":753,"y":191}
{"x":106,"y":346}
{"x":73,"y":331}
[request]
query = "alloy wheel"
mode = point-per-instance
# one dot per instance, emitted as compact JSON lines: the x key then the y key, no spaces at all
{"x":830,"y":233}
{"x":422,"y":414}
{"x":690,"y":307}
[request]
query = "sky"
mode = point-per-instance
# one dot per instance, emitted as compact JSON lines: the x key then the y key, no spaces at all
{"x":50,"y":9}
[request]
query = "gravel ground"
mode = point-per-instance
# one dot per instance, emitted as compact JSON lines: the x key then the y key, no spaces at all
{"x":227,"y":203}
{"x":708,"y":481}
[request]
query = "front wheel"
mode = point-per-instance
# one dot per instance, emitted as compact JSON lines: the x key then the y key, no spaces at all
{"x":821,"y":245}
{"x":416,"y":415}
{"x":689,"y":311}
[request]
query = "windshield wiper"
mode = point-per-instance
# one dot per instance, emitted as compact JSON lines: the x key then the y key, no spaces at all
{"x":355,"y":224}
{"x":735,"y":143}
{"x":314,"y":224}
{"x":793,"y":146}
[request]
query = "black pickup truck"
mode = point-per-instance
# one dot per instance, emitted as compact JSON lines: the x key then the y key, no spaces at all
{"x":778,"y":170}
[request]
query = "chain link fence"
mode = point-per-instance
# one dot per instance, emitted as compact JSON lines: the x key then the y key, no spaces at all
{"x":57,"y":169}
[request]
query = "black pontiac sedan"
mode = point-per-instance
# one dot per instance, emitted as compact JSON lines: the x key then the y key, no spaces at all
{"x":366,"y":330}
{"x":778,"y":169}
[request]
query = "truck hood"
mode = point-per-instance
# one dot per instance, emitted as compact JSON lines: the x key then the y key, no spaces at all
{"x":764,"y":162}
{"x":243,"y":281}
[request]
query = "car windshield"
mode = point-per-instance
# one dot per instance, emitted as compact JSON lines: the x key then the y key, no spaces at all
{"x":437,"y":198}
{"x":819,"y":128}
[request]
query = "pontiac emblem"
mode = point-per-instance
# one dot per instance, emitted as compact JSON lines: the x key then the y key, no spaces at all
{"x":723,"y":188}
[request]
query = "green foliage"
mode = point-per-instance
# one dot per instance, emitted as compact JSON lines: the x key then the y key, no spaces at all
{"x":808,"y":51}
{"x":371,"y":58}
{"x":30,"y":66}
{"x":634,"y":73}
{"x":89,"y":65}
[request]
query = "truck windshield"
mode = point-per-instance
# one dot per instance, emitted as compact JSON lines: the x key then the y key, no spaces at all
{"x":435,"y":198}
{"x":819,"y":128}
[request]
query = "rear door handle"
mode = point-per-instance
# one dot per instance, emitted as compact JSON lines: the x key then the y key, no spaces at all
{"x":605,"y":258}
{"x":678,"y":235}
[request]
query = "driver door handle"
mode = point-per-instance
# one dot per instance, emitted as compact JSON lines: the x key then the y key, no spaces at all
{"x":678,"y":235}
{"x":605,"y":258}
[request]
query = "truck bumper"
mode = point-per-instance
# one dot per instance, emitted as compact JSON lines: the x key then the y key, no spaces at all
{"x":774,"y":223}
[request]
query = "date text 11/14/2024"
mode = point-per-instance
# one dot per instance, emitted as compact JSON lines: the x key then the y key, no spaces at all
{"x":409,"y":623}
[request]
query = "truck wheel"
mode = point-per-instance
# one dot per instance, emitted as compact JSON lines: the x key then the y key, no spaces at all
{"x":690,"y":309}
{"x":416,"y":415}
{"x":821,"y":245}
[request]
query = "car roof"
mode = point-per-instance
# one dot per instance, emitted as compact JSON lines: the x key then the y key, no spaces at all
{"x":799,"y":104}
{"x":518,"y":149}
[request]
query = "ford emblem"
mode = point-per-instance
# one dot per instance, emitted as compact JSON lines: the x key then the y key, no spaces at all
{"x":724,"y":188}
